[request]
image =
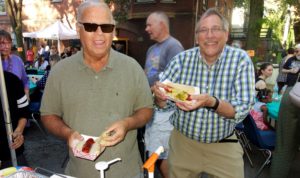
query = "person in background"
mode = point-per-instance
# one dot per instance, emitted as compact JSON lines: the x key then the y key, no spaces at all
{"x":11,"y":62}
{"x":47,"y":53}
{"x":98,"y":90}
{"x":41,"y":50}
{"x":75,"y":49}
{"x":288,"y":124}
{"x":260,"y":111}
{"x":158,"y":130}
{"x":203,"y":138}
{"x":41,"y":63}
{"x":42,"y":82}
{"x":67,"y":52}
{"x":53,"y":50}
{"x":292,"y":67}
{"x":281,"y":78}
{"x":265,"y":71}
{"x":30,"y":56}
{"x":35,"y":50}
{"x":36,"y":95}
{"x":18,"y":106}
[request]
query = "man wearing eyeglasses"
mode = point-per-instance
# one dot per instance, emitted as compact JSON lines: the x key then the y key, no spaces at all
{"x":98,"y":90}
{"x":203,"y":138}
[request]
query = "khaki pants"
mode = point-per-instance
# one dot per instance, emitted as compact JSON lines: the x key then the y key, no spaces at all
{"x":188,"y":158}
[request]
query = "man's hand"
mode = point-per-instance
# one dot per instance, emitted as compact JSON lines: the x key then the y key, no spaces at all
{"x":74,"y":139}
{"x":18,"y":139}
{"x":115,"y":133}
{"x":294,"y":70}
{"x":198,"y":101}
{"x":160,"y":96}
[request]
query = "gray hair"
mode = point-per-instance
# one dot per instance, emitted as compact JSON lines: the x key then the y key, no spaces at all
{"x":163,"y":17}
{"x":90,"y":3}
{"x":210,"y":12}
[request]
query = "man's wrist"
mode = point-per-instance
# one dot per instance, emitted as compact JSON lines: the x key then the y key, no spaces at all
{"x":215,"y":104}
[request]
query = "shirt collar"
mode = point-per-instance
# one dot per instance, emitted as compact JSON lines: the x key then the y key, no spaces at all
{"x":82,"y":65}
{"x":221,"y":56}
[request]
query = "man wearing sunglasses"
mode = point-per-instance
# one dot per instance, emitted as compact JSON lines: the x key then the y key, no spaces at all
{"x":98,"y":90}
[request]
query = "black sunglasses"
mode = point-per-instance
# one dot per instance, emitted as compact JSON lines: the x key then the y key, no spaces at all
{"x":92,"y":27}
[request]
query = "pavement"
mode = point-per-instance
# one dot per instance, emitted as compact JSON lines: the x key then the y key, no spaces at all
{"x":49,"y":152}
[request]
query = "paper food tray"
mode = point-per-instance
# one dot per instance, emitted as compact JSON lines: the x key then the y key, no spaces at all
{"x":191,"y":90}
{"x":88,"y":156}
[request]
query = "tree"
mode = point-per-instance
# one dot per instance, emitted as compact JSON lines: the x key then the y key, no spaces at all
{"x":120,"y":9}
{"x":255,"y":23}
{"x":14,"y":10}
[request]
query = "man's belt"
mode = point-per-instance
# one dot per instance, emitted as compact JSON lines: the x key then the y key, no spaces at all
{"x":227,"y":139}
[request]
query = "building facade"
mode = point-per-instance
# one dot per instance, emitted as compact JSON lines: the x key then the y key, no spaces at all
{"x":183,"y":16}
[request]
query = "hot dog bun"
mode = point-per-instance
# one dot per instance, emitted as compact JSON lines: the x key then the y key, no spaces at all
{"x":179,"y":92}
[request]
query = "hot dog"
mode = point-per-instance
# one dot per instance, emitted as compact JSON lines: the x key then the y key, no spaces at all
{"x":177,"y":93}
{"x":86,"y":148}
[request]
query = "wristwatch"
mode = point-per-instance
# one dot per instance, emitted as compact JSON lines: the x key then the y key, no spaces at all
{"x":215,"y":106}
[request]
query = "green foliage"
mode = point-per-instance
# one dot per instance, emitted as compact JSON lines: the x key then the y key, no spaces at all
{"x":241,"y":3}
{"x":120,"y":7}
{"x":291,"y":2}
{"x":276,"y":20}
{"x":14,"y":11}
{"x":273,"y":19}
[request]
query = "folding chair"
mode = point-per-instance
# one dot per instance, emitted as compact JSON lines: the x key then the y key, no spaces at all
{"x":262,"y":139}
{"x":245,"y":143}
{"x":35,"y":114}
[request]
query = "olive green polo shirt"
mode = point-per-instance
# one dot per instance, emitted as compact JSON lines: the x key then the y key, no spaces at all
{"x":90,"y":101}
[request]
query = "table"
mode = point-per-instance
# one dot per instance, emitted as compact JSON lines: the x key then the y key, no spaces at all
{"x":34,"y":71}
{"x":32,"y":80}
{"x":273,"y":109}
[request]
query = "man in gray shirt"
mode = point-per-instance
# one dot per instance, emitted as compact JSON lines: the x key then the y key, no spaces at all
{"x":98,"y":90}
{"x":158,"y":56}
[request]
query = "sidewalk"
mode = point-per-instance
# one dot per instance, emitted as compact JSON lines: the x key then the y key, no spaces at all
{"x":49,"y":153}
{"x":45,"y":152}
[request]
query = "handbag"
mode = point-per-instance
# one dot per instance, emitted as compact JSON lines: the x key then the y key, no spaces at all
{"x":294,"y":94}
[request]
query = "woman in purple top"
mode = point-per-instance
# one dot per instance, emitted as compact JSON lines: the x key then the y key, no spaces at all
{"x":10,"y":62}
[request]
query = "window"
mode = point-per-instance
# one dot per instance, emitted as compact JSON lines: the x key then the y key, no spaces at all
{"x":2,"y":7}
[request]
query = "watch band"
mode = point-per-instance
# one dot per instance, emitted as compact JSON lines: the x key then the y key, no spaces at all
{"x":214,"y":107}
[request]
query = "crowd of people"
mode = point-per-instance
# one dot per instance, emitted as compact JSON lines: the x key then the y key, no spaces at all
{"x":97,"y":90}
{"x":18,"y":92}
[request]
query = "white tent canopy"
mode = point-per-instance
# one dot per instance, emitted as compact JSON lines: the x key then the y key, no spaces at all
{"x":56,"y":31}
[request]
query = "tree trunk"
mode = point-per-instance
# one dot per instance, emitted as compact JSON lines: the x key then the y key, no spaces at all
{"x":14,"y":11}
{"x":255,"y":23}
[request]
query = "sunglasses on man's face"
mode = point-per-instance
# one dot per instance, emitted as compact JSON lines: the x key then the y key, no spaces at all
{"x":92,"y":27}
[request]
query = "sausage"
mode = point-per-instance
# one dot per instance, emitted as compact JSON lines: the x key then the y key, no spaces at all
{"x":88,"y":145}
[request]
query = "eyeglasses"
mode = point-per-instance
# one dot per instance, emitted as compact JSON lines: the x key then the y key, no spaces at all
{"x":214,"y":30}
{"x":92,"y":27}
{"x":5,"y":43}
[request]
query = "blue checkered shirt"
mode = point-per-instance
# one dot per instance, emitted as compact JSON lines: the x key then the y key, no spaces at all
{"x":230,"y":78}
